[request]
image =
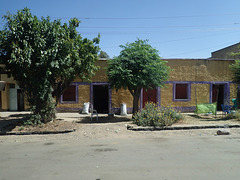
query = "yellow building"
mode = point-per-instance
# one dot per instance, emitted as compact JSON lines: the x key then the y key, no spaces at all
{"x":195,"y":81}
{"x":192,"y":81}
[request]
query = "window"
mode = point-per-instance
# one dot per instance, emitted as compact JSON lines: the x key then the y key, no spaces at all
{"x":181,"y":92}
{"x":69,"y":94}
{"x":12,"y":86}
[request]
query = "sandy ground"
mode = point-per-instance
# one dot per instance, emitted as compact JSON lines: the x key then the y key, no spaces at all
{"x":112,"y":127}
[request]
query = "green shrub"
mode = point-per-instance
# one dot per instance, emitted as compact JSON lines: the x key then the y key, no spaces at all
{"x":33,"y":120}
{"x":152,"y":115}
{"x":236,"y":115}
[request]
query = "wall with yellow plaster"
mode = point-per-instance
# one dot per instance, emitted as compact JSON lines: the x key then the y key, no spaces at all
{"x":200,"y":70}
{"x":190,"y":70}
{"x":199,"y":73}
{"x":101,"y":75}
{"x":167,"y":95}
{"x":200,"y":93}
{"x":5,"y":98}
{"x":83,"y":96}
{"x":233,"y":92}
{"x":121,"y":96}
{"x":5,"y":93}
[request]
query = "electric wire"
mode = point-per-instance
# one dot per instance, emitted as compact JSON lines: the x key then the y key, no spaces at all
{"x":147,"y":18}
{"x":202,"y":49}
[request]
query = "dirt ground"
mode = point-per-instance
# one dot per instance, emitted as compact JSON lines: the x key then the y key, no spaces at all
{"x":206,"y":119}
{"x":64,"y":122}
{"x":83,"y":127}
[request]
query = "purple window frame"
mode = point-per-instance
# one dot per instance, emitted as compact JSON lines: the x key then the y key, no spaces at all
{"x":76,"y":97}
{"x":188,"y":92}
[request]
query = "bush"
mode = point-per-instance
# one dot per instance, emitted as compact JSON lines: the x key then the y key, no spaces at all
{"x":236,"y":115}
{"x":33,"y":120}
{"x":152,"y":115}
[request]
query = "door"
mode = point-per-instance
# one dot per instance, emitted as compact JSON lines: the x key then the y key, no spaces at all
{"x":149,"y":95}
{"x":218,"y":95}
{"x":20,"y":100}
{"x":16,"y":99}
{"x":13,"y":98}
{"x":100,"y":98}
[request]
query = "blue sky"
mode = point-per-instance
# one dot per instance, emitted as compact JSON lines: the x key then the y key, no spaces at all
{"x":177,"y":28}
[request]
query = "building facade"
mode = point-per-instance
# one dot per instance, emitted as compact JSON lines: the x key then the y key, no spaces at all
{"x":192,"y":81}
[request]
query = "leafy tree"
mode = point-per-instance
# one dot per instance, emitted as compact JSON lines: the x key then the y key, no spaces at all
{"x":138,"y":66}
{"x":44,"y":57}
{"x":235,"y":68}
{"x":103,"y":54}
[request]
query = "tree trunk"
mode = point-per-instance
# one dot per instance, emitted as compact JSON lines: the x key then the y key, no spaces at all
{"x":59,"y":89}
{"x":135,"y":104}
{"x":136,"y":95}
{"x":43,"y":110}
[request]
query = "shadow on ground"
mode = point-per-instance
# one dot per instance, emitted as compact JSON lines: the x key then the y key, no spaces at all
{"x":7,"y":124}
{"x":104,"y":119}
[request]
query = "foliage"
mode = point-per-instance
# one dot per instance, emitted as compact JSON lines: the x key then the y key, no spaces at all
{"x":236,"y":115}
{"x":152,"y":115}
{"x":32,"y":121}
{"x":235,"y":68}
{"x":138,"y":66}
{"x":44,"y":57}
{"x":103,"y":54}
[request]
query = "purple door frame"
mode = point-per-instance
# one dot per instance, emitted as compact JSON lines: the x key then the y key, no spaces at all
{"x":109,"y":94}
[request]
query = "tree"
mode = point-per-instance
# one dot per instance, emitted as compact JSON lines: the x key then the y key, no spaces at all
{"x":44,"y":57}
{"x":103,"y":54}
{"x":235,"y":68}
{"x":138,"y":66}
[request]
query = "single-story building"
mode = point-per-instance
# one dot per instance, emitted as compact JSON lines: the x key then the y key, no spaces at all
{"x":192,"y":81}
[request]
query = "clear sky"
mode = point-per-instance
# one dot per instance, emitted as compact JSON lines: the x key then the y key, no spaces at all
{"x":177,"y":28}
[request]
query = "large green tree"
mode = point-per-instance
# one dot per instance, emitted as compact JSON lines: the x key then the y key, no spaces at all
{"x":44,"y":57}
{"x":235,"y":68}
{"x":138,"y":66}
{"x":103,"y":54}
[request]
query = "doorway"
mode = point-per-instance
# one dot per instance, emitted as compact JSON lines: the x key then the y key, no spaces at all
{"x":20,"y":100}
{"x":16,"y":98}
{"x":100,"y":98}
{"x":218,"y":95}
{"x":1,"y":101}
{"x":149,"y":95}
{"x":13,"y":98}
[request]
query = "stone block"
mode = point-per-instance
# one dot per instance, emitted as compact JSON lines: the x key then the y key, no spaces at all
{"x":223,"y":132}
